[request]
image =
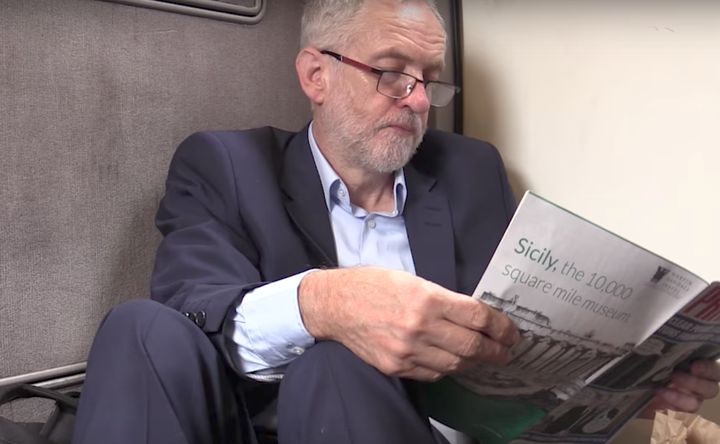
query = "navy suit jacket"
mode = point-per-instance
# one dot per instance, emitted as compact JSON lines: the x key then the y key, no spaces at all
{"x":243,"y":208}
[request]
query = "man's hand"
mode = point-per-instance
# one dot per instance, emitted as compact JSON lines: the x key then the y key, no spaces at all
{"x":402,"y":324}
{"x":687,"y":391}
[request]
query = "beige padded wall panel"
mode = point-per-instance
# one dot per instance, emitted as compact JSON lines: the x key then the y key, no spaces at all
{"x":94,"y":97}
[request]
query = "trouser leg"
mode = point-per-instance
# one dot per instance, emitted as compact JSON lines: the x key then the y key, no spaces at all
{"x":329,"y":395}
{"x":154,"y":377}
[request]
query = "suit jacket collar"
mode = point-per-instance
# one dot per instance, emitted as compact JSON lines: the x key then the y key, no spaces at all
{"x":427,"y":214}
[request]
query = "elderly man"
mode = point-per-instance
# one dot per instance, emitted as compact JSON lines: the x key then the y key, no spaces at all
{"x":337,"y":258}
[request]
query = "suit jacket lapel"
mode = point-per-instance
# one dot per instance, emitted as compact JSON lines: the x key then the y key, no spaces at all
{"x":429,"y":229}
{"x":305,"y":202}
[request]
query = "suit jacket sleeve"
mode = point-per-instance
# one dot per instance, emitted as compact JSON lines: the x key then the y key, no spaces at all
{"x":206,"y":261}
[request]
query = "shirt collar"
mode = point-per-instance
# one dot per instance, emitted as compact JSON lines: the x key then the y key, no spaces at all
{"x":332,"y":183}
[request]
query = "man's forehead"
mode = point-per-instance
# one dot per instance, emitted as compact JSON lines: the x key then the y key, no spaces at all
{"x":391,"y":24}
{"x":412,"y":11}
{"x":395,"y":53}
{"x":405,"y":11}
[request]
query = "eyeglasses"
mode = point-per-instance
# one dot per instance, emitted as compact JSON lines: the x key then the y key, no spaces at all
{"x":398,"y":85}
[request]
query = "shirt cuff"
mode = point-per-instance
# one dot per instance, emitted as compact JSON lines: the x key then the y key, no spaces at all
{"x":267,"y":328}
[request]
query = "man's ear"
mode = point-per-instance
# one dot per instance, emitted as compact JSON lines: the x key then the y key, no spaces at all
{"x":311,"y":71}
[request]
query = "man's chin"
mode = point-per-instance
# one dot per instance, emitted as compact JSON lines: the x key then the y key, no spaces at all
{"x":396,"y":161}
{"x":389,"y":151}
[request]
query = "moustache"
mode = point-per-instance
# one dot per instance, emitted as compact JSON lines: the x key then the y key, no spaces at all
{"x":410,"y":122}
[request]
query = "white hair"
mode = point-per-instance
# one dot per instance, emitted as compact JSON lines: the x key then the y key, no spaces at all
{"x":328,"y":23}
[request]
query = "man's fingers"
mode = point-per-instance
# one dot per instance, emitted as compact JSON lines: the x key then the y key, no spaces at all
{"x":678,"y":401}
{"x":467,"y":349}
{"x":690,"y":384}
{"x":469,"y":345}
{"x":478,"y":316}
{"x":429,"y":365}
{"x":438,"y":360}
{"x":423,"y":374}
{"x":434,"y":362}
{"x":706,"y":369}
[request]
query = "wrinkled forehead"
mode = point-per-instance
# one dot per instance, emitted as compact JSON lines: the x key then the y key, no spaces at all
{"x":395,"y":26}
{"x":377,"y":15}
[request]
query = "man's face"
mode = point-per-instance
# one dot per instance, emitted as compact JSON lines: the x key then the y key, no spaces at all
{"x":376,"y":133}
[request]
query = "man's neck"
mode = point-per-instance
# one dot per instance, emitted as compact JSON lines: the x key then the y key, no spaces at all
{"x":373,"y":193}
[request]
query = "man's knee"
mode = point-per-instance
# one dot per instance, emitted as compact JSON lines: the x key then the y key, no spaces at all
{"x":329,"y":350}
{"x":137,"y":317}
{"x":329,"y":365}
{"x":323,"y":357}
{"x":134,"y":325}
{"x":143,"y":339}
{"x":330,"y":395}
{"x":160,"y":377}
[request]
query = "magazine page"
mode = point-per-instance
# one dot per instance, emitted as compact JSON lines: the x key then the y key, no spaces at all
{"x":582,"y":297}
{"x":598,"y":412}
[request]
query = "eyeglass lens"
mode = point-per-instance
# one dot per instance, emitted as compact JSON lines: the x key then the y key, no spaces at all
{"x":399,"y":85}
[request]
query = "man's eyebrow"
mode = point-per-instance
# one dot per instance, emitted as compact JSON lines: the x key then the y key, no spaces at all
{"x":393,"y":53}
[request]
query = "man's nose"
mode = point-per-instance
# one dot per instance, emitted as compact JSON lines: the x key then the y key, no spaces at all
{"x":418,"y":100}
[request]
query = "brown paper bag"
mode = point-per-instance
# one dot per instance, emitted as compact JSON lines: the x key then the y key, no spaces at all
{"x":683,"y":428}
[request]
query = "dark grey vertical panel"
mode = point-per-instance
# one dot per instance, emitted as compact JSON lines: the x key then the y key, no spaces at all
{"x":449,"y":118}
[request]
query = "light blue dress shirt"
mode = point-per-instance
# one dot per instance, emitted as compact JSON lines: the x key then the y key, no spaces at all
{"x":266,"y":330}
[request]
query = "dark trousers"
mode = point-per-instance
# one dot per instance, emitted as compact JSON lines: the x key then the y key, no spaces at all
{"x":154,"y":377}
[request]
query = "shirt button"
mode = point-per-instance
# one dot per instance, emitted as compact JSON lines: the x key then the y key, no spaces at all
{"x":371,"y":223}
{"x":341,"y":192}
{"x":296,"y":350}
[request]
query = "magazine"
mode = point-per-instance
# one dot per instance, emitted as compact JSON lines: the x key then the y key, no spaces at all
{"x":603,"y":321}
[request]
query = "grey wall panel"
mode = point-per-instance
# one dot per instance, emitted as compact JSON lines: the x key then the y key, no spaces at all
{"x":94,"y":98}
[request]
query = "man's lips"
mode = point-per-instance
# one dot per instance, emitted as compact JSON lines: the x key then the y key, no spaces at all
{"x":404,"y":128}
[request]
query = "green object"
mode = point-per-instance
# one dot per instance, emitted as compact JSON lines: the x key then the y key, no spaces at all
{"x":490,"y":420}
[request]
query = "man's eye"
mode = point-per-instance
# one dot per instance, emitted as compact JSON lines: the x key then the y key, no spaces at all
{"x":391,"y":77}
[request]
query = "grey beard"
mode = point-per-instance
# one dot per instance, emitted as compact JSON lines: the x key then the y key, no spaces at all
{"x":359,"y":145}
{"x":392,"y":155}
{"x":386,"y":159}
